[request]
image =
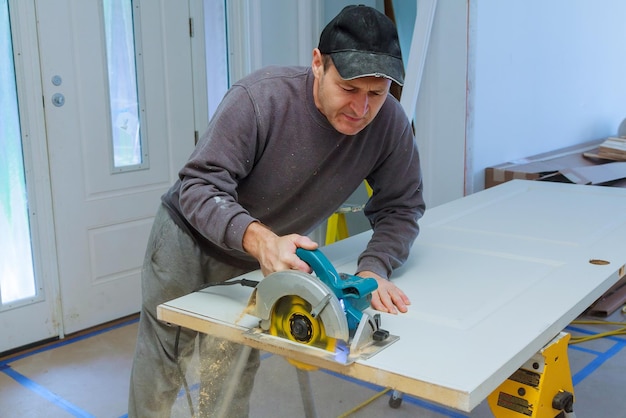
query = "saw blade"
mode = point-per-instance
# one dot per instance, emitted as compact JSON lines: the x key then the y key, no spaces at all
{"x":291,"y":319}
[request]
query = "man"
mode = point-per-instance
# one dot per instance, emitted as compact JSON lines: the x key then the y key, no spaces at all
{"x":286,"y":147}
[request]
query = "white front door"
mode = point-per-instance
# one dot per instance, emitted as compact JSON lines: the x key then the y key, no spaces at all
{"x":103,"y":205}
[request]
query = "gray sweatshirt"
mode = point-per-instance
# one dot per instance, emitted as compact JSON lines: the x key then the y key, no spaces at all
{"x":270,"y":155}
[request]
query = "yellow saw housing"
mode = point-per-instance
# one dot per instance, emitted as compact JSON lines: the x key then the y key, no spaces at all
{"x":301,"y":308}
{"x":291,"y":319}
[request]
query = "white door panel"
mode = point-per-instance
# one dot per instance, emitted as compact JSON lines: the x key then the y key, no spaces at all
{"x":103,"y":216}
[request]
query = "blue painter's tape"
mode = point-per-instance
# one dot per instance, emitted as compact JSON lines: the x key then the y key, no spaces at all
{"x":597,"y":362}
{"x":589,"y":332}
{"x":46,"y":394}
{"x":62,"y":343}
{"x":42,"y":391}
{"x":405,"y":398}
{"x":585,"y":350}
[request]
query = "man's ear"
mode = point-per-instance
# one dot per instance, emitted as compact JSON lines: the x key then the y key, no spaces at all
{"x":317,"y":63}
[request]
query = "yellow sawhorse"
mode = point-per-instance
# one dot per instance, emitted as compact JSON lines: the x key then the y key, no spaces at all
{"x":336,"y":225}
{"x":542,"y":387}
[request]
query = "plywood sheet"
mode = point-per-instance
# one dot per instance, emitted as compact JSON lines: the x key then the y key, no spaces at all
{"x":492,"y":278}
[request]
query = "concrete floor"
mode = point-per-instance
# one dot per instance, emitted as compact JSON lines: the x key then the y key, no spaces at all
{"x":87,"y":376}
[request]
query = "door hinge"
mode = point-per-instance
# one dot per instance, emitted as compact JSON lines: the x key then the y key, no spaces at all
{"x":195,"y":137}
{"x":191,"y":27}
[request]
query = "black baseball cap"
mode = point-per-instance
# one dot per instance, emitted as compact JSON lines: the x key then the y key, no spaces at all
{"x":363,"y":42}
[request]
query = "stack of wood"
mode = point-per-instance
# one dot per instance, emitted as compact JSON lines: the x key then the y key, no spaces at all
{"x":613,"y":148}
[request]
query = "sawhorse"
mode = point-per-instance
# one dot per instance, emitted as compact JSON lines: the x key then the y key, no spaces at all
{"x":542,"y":387}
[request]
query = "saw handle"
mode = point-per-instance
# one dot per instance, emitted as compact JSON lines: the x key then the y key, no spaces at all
{"x":354,"y":291}
{"x":344,"y":286}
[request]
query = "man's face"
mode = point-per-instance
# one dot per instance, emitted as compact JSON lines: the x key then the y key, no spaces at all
{"x":349,"y":105}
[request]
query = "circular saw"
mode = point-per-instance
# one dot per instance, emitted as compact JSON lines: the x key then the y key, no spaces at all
{"x":322,"y":311}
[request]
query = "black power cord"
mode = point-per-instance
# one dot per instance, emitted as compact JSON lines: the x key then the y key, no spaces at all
{"x":242,"y":282}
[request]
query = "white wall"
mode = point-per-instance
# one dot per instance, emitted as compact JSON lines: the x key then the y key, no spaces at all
{"x":543,"y":75}
{"x":440,"y":112}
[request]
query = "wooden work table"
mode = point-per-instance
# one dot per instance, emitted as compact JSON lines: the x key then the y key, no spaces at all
{"x":492,"y":277}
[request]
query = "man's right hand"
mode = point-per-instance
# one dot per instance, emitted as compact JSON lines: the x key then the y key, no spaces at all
{"x":273,"y":252}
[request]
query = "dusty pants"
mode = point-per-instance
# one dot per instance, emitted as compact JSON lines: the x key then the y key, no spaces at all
{"x":174,"y":266}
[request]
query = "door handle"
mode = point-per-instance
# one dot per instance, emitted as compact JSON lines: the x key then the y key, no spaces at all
{"x":58,"y":99}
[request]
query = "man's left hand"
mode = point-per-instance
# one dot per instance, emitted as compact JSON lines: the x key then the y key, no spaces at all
{"x":388,"y":297}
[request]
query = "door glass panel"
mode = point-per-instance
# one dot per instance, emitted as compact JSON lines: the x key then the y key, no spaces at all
{"x":17,"y":281}
{"x":216,"y":57}
{"x":129,"y":151}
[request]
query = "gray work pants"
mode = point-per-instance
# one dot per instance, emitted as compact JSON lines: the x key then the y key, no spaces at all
{"x":174,"y":266}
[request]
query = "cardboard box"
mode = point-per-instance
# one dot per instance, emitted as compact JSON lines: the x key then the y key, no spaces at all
{"x":574,"y":164}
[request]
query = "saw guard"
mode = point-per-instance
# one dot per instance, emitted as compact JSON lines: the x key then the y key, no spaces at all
{"x":289,"y":283}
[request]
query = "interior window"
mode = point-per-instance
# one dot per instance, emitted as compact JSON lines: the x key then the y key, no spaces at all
{"x":216,"y":52}
{"x":129,"y":151}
